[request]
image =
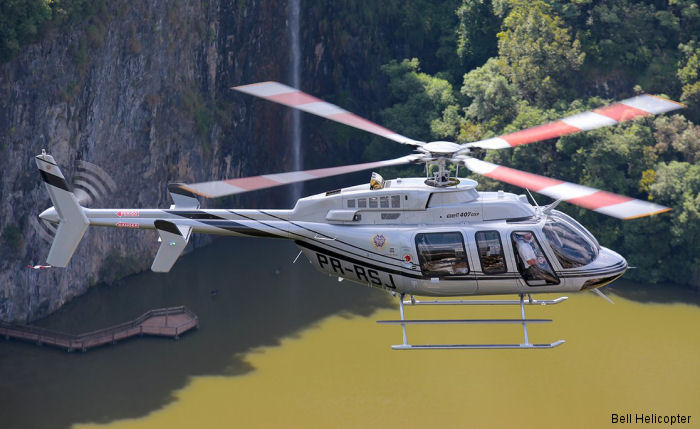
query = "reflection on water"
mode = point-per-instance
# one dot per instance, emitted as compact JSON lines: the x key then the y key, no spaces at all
{"x":246,"y":294}
{"x":659,"y":293}
{"x":297,"y":349}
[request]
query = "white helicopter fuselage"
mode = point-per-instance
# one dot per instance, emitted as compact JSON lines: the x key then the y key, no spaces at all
{"x":408,"y":237}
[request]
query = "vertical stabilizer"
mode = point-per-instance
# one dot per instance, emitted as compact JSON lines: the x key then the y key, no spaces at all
{"x":72,"y":219}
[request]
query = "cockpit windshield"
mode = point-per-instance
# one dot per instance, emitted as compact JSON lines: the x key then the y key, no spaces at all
{"x":571,"y":246}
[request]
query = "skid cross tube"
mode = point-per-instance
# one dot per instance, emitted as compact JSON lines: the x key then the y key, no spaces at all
{"x":522,"y":320}
{"x":530,"y":301}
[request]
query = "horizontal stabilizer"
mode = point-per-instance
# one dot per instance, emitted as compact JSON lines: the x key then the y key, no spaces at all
{"x":172,"y":243}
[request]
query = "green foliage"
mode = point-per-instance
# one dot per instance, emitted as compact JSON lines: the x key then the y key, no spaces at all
{"x":24,"y":21}
{"x":551,"y":55}
{"x":493,"y":97}
{"x":21,"y":22}
{"x":688,"y":74}
{"x":197,"y":109}
{"x":423,"y":98}
{"x":117,"y":265}
{"x":12,"y":238}
{"x":476,"y":31}
{"x":677,"y":138}
{"x":539,"y":54}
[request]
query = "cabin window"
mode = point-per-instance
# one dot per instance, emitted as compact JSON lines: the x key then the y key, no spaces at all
{"x":361,"y":203}
{"x":395,"y":201}
{"x":373,"y":202}
{"x":351,"y":204}
{"x":571,"y":247}
{"x":442,"y":254}
{"x":491,"y":255}
{"x":532,"y":262}
{"x":384,"y":202}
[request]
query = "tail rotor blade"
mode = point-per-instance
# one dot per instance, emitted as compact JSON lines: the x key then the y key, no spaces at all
{"x":91,"y":183}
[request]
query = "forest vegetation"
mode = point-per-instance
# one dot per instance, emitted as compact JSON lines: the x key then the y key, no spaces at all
{"x":506,"y":65}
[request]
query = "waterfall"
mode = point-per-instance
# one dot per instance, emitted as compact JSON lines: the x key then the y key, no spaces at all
{"x":295,"y":79}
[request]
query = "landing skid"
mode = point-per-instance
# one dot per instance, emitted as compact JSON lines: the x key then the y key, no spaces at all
{"x":522,"y":320}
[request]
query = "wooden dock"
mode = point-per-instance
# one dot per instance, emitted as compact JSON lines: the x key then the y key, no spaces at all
{"x":164,"y":322}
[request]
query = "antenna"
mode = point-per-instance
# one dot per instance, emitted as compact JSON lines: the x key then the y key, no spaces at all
{"x":533,"y":198}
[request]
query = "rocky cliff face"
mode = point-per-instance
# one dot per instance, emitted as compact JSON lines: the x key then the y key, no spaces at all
{"x":143,"y":91}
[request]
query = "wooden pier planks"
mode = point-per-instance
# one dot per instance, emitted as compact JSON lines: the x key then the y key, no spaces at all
{"x":167,"y":322}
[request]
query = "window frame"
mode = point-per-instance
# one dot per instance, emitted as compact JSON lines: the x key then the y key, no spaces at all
{"x":432,"y":274}
{"x":503,"y":254}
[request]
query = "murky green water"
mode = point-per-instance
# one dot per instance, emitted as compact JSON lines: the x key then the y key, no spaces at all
{"x":281,"y":345}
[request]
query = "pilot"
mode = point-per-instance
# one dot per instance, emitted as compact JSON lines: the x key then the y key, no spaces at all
{"x":526,"y":250}
{"x":534,"y":267}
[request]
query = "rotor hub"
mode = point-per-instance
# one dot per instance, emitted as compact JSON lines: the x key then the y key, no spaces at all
{"x":441,"y":148}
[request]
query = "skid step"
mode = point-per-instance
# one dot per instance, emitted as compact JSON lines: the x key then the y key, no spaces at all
{"x":475,"y":346}
{"x":487,"y":302}
{"x":459,"y":321}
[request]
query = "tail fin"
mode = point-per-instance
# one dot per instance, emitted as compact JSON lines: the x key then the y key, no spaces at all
{"x":72,"y":220}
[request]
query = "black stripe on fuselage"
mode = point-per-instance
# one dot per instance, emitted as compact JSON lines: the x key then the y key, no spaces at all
{"x":309,"y":238}
{"x":334,"y":238}
{"x":194,"y":214}
{"x":353,"y":260}
{"x":222,"y":223}
{"x":54,"y":180}
{"x":238,"y":228}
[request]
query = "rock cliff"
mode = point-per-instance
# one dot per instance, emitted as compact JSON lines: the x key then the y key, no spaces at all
{"x":142,"y":90}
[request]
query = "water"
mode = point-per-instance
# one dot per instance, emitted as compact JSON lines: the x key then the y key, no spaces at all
{"x":295,"y":348}
{"x":246,"y":293}
{"x":293,"y":12}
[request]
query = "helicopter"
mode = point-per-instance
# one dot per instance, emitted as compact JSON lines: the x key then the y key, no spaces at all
{"x":434,"y":236}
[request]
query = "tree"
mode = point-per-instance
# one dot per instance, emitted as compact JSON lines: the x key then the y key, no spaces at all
{"x":476,"y":32}
{"x":20,"y":23}
{"x":492,"y":96}
{"x":689,"y":76}
{"x":539,"y":53}
{"x":421,"y":99}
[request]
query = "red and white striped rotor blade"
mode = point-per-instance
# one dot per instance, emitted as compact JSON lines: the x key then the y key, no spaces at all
{"x":292,"y":97}
{"x":220,"y":188}
{"x":599,"y":201}
{"x":625,"y":110}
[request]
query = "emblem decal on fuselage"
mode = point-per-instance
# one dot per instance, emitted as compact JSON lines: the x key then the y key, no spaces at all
{"x":379,"y":241}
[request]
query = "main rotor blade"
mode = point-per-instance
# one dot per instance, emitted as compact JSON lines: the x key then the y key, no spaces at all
{"x":625,"y":110}
{"x":292,"y":97}
{"x":220,"y":188}
{"x":599,"y":201}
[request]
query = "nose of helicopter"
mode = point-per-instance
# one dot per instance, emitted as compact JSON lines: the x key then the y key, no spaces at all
{"x":50,"y":215}
{"x":608,"y":266}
